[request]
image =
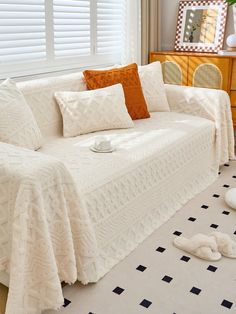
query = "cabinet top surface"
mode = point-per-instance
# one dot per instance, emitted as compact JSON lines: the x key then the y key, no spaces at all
{"x":197,"y":54}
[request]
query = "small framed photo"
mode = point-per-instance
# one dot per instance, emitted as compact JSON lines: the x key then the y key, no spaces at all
{"x":201,"y":25}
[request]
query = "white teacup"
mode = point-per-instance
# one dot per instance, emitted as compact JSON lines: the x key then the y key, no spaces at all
{"x":102,"y":143}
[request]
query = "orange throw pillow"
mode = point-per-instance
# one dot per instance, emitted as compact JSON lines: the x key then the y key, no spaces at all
{"x":129,"y":78}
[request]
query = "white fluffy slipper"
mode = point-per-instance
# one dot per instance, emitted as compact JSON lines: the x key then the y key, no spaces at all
{"x":226,"y":246}
{"x":200,"y":245}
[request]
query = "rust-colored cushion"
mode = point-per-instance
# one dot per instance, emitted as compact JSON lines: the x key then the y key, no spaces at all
{"x":129,"y":78}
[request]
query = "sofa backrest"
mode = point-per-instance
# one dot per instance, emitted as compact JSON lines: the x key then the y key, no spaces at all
{"x":39,"y":94}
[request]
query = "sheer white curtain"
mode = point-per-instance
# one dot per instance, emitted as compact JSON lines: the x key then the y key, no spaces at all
{"x":142,"y":30}
{"x":132,"y":33}
{"x":234,"y":10}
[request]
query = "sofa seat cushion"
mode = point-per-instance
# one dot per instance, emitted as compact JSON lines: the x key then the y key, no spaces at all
{"x":154,"y":138}
{"x":157,"y":167}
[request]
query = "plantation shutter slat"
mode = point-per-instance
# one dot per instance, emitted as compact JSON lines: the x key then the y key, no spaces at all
{"x":71,"y":28}
{"x":110,"y":29}
{"x":22,"y":31}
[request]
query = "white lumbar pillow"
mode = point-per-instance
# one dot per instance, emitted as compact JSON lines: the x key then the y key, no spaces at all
{"x":17,"y":123}
{"x":93,"y":110}
{"x":230,"y":198}
{"x":153,"y":87}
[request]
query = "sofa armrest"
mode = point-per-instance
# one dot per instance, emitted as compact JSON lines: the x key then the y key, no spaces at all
{"x":210,"y":104}
{"x":40,"y":210}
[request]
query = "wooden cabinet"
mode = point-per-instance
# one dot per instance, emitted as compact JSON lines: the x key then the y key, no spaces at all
{"x":233,"y":81}
{"x":199,"y":70}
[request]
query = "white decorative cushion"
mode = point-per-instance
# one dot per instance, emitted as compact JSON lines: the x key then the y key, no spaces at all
{"x":230,"y":198}
{"x":153,"y":87}
{"x":17,"y":123}
{"x":95,"y":110}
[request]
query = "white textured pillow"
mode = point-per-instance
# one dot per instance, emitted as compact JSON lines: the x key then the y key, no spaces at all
{"x":153,"y":87}
{"x":17,"y":123}
{"x":94,"y":110}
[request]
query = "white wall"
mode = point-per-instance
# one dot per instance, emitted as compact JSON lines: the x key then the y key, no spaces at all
{"x":169,"y":13}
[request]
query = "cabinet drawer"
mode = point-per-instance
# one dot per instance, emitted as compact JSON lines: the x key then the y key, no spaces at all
{"x":233,"y":98}
{"x":233,"y":80}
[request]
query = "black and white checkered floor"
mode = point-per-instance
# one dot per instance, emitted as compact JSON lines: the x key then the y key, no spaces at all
{"x":158,"y":278}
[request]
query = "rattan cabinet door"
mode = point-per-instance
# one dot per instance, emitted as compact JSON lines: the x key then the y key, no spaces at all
{"x":174,"y":68}
{"x":209,"y":72}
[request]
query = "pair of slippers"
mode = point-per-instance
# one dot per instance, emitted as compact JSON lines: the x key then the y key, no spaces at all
{"x":210,"y":248}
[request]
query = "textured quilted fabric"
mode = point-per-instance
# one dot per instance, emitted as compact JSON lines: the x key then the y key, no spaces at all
{"x":39,"y":95}
{"x":153,"y":87}
{"x":210,"y":104}
{"x":129,"y":78}
{"x":132,"y":191}
{"x":46,"y":235}
{"x":17,"y":123}
{"x":95,"y":110}
{"x":123,"y":196}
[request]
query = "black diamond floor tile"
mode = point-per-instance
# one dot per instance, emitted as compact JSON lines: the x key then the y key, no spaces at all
{"x":141,"y":268}
{"x":212,"y":268}
{"x":118,"y":290}
{"x":185,"y":258}
{"x":192,"y":219}
{"x":216,"y":195}
{"x":195,"y":290}
{"x":214,"y":226}
{"x":160,"y":249}
{"x":167,"y":279}
{"x":227,"y":304}
{"x":226,"y":186}
{"x":226,"y":165}
{"x":225,"y":212}
{"x":204,"y":206}
{"x":146,"y":303}
{"x":66,"y":302}
{"x":177,"y":233}
{"x":234,"y":177}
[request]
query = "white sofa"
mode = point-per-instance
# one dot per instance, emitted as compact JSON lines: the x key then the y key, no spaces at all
{"x":157,"y":167}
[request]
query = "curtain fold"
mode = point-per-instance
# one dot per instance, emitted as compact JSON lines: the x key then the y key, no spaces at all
{"x":132,"y":36}
{"x":150,"y":28}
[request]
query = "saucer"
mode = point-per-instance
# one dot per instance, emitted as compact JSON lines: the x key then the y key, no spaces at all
{"x":95,"y":150}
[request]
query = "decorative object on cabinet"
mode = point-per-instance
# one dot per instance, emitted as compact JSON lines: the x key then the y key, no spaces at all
{"x":199,"y":70}
{"x":201,"y":25}
{"x":231,"y":42}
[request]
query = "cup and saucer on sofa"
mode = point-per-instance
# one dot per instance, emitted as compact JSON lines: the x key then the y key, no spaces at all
{"x":102,"y":145}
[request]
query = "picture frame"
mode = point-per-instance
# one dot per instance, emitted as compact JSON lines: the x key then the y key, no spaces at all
{"x":201,"y":25}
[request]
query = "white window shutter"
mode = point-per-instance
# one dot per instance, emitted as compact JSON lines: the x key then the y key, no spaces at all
{"x":61,"y":34}
{"x":110,"y":26}
{"x":22,"y":31}
{"x":71,"y":28}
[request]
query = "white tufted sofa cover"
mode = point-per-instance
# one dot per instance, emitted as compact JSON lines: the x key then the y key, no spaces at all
{"x":157,"y":167}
